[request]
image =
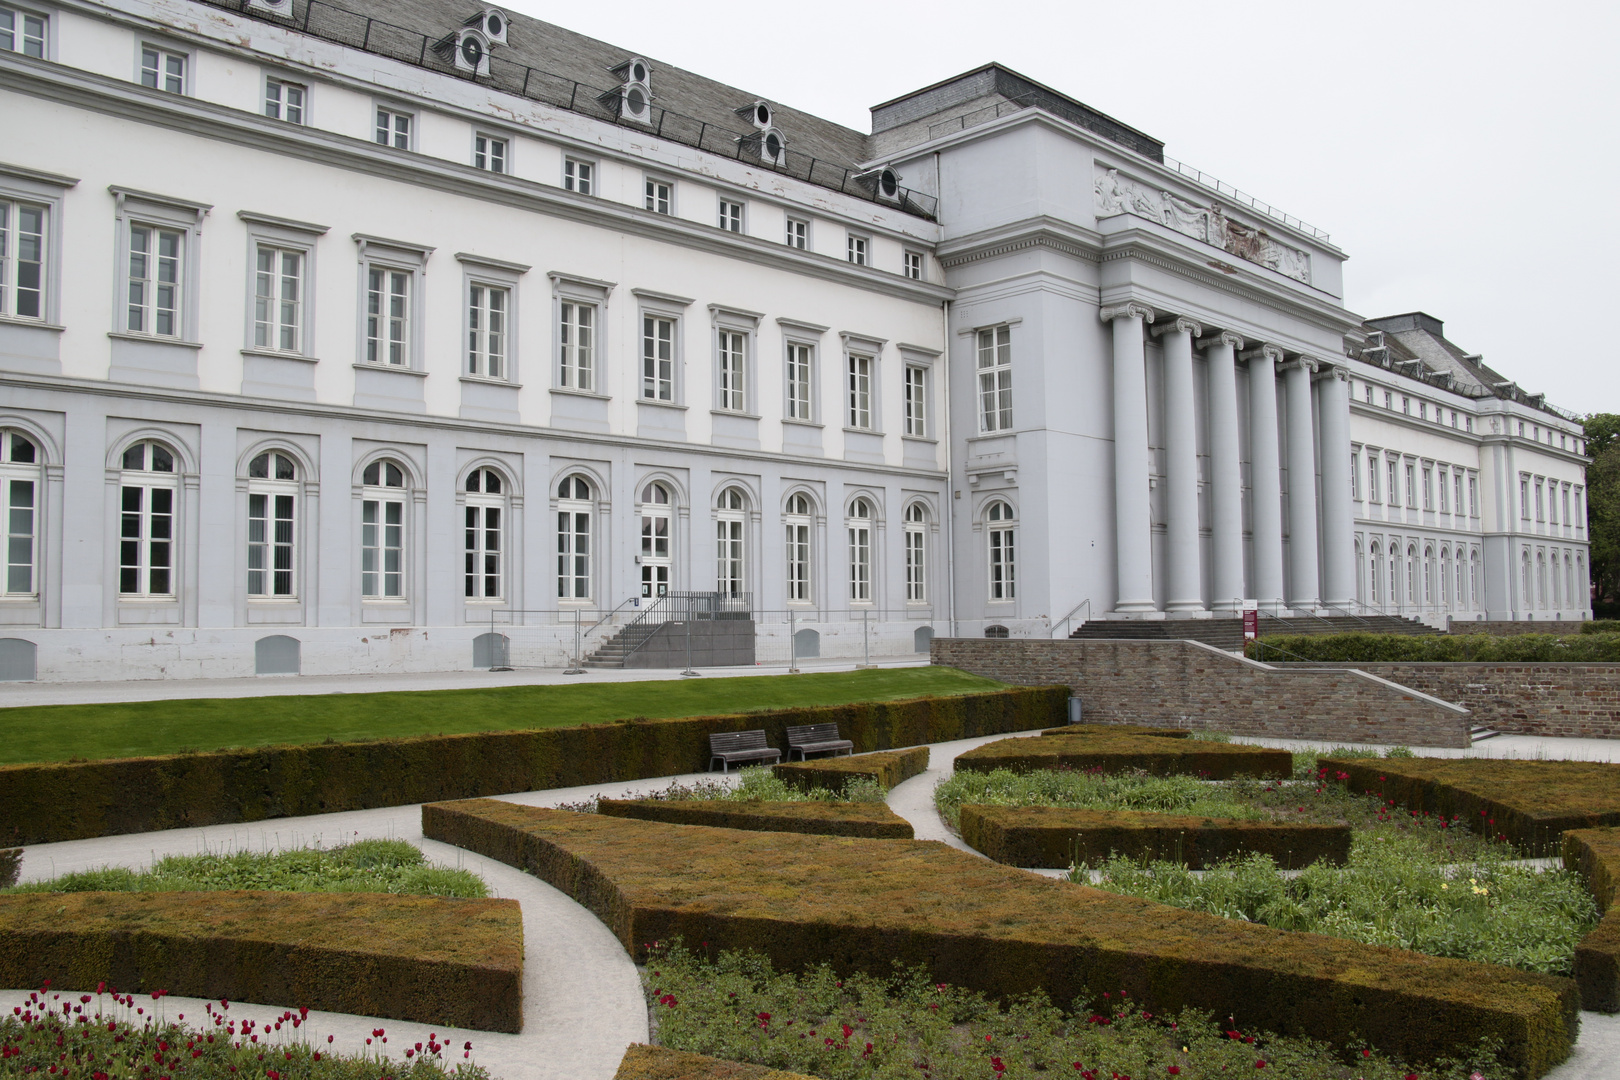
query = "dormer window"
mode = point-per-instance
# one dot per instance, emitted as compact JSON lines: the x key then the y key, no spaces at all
{"x":633,"y":99}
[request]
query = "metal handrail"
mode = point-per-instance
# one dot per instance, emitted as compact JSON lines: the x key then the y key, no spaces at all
{"x":1348,"y":613}
{"x":1086,"y":603}
{"x":1203,"y":179}
{"x":636,"y":600}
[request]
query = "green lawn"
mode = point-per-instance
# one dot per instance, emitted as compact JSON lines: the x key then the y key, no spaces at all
{"x":138,"y":729}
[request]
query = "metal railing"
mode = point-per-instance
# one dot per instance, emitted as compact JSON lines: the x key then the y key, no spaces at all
{"x":330,"y":22}
{"x":1069,"y":618}
{"x":1227,"y":191}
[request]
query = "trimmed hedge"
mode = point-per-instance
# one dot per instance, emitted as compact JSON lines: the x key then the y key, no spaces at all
{"x":659,"y":1063}
{"x":1595,"y":853}
{"x":887,"y":767}
{"x":1057,"y":837}
{"x":861,"y":905}
{"x":1439,"y":648}
{"x":1119,"y":729}
{"x":419,"y":958}
{"x":10,"y":866}
{"x":1531,"y":803}
{"x":1123,"y":753}
{"x":43,"y":803}
{"x":873,"y":820}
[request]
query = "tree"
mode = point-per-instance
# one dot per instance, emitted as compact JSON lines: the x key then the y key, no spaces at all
{"x":1603,"y":504}
{"x":1602,"y":429}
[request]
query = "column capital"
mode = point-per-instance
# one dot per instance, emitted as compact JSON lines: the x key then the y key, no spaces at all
{"x":1327,"y":371}
{"x":1221,"y":337}
{"x":1262,"y":352}
{"x":1179,"y":325}
{"x":1308,"y":363}
{"x":1130,"y":310}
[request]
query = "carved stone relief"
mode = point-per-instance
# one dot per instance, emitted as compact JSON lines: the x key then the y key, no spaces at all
{"x":1118,"y":194}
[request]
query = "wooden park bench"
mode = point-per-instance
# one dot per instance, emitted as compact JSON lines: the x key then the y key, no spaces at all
{"x":738,"y":746}
{"x":816,"y":739}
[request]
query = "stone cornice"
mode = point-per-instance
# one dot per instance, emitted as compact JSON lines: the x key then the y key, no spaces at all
{"x":129,"y":102}
{"x":1042,"y":232}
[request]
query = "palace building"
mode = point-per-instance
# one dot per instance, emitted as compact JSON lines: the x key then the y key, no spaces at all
{"x":369,"y":337}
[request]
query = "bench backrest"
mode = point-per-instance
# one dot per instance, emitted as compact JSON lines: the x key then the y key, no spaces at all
{"x":811,"y":733}
{"x":727,"y":741}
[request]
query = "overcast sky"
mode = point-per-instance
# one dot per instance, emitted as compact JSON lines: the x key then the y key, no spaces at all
{"x":1466,"y":156}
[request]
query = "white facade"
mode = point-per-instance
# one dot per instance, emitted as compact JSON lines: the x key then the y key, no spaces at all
{"x":305,"y":334}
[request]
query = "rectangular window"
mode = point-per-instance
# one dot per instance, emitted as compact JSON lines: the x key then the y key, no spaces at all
{"x":1411,"y":485}
{"x":579,"y":176}
{"x":1003,"y":565}
{"x":388,"y":306}
{"x":1473,"y":501}
{"x":284,"y":101}
{"x":1368,"y":389}
{"x":995,"y":379}
{"x":487,"y":310}
{"x":1580,"y":518}
{"x":489,"y":153}
{"x":657,"y":358}
{"x":270,"y":543}
{"x":798,"y":234}
{"x":1540,"y":513}
{"x":1524,"y":498}
{"x":153,"y":296}
{"x":278,"y":300}
{"x":22,"y":260}
{"x":393,"y":128}
{"x":1428,"y":487}
{"x":22,"y":31}
{"x":659,"y":196}
{"x":1423,"y":411}
{"x":798,"y":381}
{"x":146,"y":541}
{"x":483,"y":554}
{"x":1387,"y":404}
{"x":1457,"y":487}
{"x":382,"y":549}
{"x":860,"y":391}
{"x":914,"y":265}
{"x":855,"y":249}
{"x":1453,"y":417}
{"x":916,"y":401}
{"x":916,"y":567}
{"x":1468,"y":424}
{"x":577,"y":337}
{"x":860,"y":563}
{"x":17,"y":531}
{"x":1406,"y":405}
{"x":1552,"y":503}
{"x":798,"y":560}
{"x":731,"y":216}
{"x":729,"y":365}
{"x":162,"y":69}
{"x":1445,"y":507}
{"x":1355,"y":475}
{"x":1394,"y":490}
{"x":1568,"y":521}
{"x":1372,"y":477}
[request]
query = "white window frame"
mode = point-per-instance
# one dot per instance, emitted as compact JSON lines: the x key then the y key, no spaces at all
{"x":492,"y":153}
{"x":385,"y":122}
{"x":799,"y":526}
{"x":574,"y":368}
{"x":858,"y":249}
{"x":266,"y":541}
{"x":1372,"y":477}
{"x":913,"y":265}
{"x":19,"y":186}
{"x":278,"y":298}
{"x":292,"y":237}
{"x":731,"y":542}
{"x":381,"y":537}
{"x":916,"y":545}
{"x":860,"y":528}
{"x":915,"y":397}
{"x":733,"y":335}
{"x":20,"y":509}
{"x":799,"y":381}
{"x":658,"y":195}
{"x":575,"y":517}
{"x":15,"y":243}
{"x":484,"y":546}
{"x":156,"y":213}
{"x":374,"y":351}
{"x":860,"y":390}
{"x":666,"y":386}
{"x":278,"y":100}
{"x":657,"y":530}
{"x":1355,"y":475}
{"x":1411,"y":485}
{"x":148,"y":481}
{"x":489,"y":330}
{"x":579,"y":174}
{"x":1001,"y":552}
{"x":390,"y":298}
{"x":798,"y":233}
{"x":733,"y":215}
{"x":162,"y":74}
{"x":16,"y":30}
{"x":993,"y":365}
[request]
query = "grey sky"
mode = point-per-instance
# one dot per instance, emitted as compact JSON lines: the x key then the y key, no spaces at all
{"x":1464,"y":155}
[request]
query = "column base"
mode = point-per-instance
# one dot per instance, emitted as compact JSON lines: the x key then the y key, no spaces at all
{"x":1127,"y":614}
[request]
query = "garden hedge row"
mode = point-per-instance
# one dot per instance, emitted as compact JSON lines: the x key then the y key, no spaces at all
{"x":861,"y":905}
{"x":1125,"y":753}
{"x":873,"y":820}
{"x":1595,"y":853}
{"x":1530,"y":803}
{"x":1119,"y":729}
{"x":887,"y":767}
{"x":10,"y":866}
{"x":659,"y":1063}
{"x":420,"y":958}
{"x":1058,"y":837}
{"x":1439,"y":648}
{"x":43,"y":803}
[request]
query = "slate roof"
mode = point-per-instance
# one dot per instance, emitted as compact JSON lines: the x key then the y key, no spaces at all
{"x":1418,"y":336}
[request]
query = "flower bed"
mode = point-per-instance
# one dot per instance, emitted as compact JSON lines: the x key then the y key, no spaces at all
{"x":860,"y":905}
{"x":74,"y":800}
{"x":1596,"y":854}
{"x":1528,"y":803}
{"x":659,"y":1063}
{"x":427,"y":959}
{"x":1059,"y":837}
{"x":1122,"y":753}
{"x":873,"y":820}
{"x":887,"y":767}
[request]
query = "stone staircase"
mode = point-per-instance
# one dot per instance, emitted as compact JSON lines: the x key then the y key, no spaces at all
{"x":1228,"y":633}
{"x":613,"y":652}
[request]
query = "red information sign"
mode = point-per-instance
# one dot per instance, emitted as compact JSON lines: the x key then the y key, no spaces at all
{"x":1251,"y":625}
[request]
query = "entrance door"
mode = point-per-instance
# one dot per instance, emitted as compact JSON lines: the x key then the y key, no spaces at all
{"x":655,"y":543}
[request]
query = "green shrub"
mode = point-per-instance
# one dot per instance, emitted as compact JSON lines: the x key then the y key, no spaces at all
{"x":885,"y":769}
{"x":74,"y":800}
{"x":861,"y":905}
{"x":1601,"y":626}
{"x":10,"y":866}
{"x":903,"y":1024}
{"x":419,"y":958}
{"x":1086,"y":791}
{"x":372,"y":866}
{"x":1438,"y":648}
{"x":661,"y":1063}
{"x":872,"y":819}
{"x":1595,"y":855}
{"x":1128,"y":753}
{"x":1058,"y":837}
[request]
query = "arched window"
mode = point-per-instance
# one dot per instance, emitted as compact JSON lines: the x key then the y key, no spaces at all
{"x":382,"y":531}
{"x":484,"y":517}
{"x":860,"y":551}
{"x":1553,"y":574}
{"x":1001,"y":530}
{"x":1584,"y":582}
{"x":1445,"y":575}
{"x":729,"y":524}
{"x":1411,"y":574}
{"x":1462,"y":583}
{"x":146,"y":534}
{"x":1428,"y":574}
{"x":19,"y":491}
{"x":1377,"y":584}
{"x":1524,"y":574}
{"x":656,"y":557}
{"x":1569,"y":581}
{"x":1473,"y":577}
{"x":799,"y":522}
{"x":272,"y":526}
{"x":1541,"y":580}
{"x":574,"y":539}
{"x":1394,"y":573}
{"x":916,"y":554}
{"x":1361,"y":574}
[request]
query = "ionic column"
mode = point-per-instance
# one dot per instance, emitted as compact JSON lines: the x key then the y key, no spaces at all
{"x":1265,"y":479}
{"x":1338,"y":514}
{"x":1225,"y":472}
{"x":1183,"y":559}
{"x":1302,"y":563}
{"x":1133,"y":525}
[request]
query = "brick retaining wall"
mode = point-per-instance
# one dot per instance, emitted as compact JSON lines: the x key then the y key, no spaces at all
{"x":1191,"y":685}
